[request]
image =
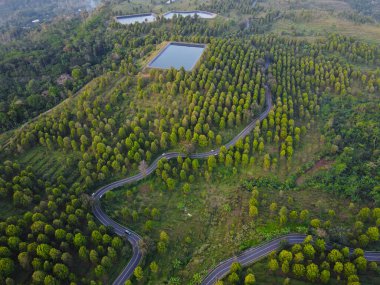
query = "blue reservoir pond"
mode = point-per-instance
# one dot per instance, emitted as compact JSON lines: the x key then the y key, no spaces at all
{"x":200,"y":14}
{"x":178,"y":55}
{"x":136,"y":18}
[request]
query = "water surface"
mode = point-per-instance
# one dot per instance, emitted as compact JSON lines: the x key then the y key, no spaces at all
{"x":178,"y":55}
{"x":200,"y":14}
{"x":138,"y":18}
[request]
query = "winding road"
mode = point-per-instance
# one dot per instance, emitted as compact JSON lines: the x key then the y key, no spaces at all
{"x":249,"y":256}
{"x":254,"y":254}
{"x":246,"y":257}
{"x":133,"y":238}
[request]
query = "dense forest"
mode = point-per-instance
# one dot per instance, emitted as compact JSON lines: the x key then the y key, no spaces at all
{"x":367,"y":7}
{"x":21,"y":13}
{"x":34,"y":79}
{"x":120,"y":116}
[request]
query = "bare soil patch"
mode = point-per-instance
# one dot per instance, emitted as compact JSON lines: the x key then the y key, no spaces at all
{"x":319,"y":165}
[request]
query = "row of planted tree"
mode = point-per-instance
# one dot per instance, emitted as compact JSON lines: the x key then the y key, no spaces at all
{"x":122,"y":119}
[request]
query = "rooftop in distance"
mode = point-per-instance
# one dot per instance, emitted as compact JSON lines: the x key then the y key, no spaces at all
{"x":178,"y":55}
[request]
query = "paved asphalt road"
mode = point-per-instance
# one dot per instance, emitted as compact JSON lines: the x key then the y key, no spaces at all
{"x":249,"y":256}
{"x":134,"y":238}
{"x":254,"y":254}
{"x":246,"y":257}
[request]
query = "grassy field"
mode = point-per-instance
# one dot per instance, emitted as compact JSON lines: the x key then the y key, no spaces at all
{"x":52,"y":164}
{"x":312,"y":19}
{"x":326,"y":22}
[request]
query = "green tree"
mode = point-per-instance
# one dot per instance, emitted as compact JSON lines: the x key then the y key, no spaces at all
{"x":363,"y":240}
{"x":79,"y":240}
{"x":273,"y":207}
{"x":285,"y":255}
{"x":138,"y":273}
{"x":50,"y":280}
{"x":170,"y":183}
{"x":315,"y":223}
{"x":309,"y":251}
{"x":7,"y":267}
{"x":253,"y":211}
{"x":235,"y":267}
{"x":38,"y":277}
{"x":43,"y":250}
{"x":304,"y":215}
{"x":161,"y":247}
{"x":76,"y":74}
{"x":24,"y":260}
{"x":364,"y":214}
{"x":233,"y":278}
{"x":334,"y":256}
{"x":361,"y":263}
{"x":55,"y":254}
{"x":285,"y":267}
{"x":299,"y":257}
{"x":349,"y":269}
{"x":249,"y":279}
{"x":273,"y":265}
{"x":164,"y":237}
{"x":186,"y":188}
{"x":153,"y":267}
{"x":99,"y":271}
{"x":338,"y":267}
{"x":61,"y":271}
{"x":373,"y":233}
{"x":312,"y":272}
{"x":325,"y":276}
{"x":298,"y":270}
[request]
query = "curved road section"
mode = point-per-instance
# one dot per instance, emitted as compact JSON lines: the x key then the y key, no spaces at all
{"x":132,"y":237}
{"x":249,"y":256}
{"x":222,"y":269}
{"x":254,"y":254}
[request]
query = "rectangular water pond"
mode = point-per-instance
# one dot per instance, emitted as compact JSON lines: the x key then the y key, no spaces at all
{"x":200,"y":14}
{"x":136,"y":18}
{"x":178,"y":55}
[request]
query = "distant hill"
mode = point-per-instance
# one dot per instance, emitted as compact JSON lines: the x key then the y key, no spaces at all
{"x":23,"y":12}
{"x":367,"y":7}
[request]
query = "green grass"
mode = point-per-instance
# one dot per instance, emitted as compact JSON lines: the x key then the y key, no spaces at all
{"x":52,"y":164}
{"x":326,"y":23}
{"x":199,"y":215}
{"x":310,"y":20}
